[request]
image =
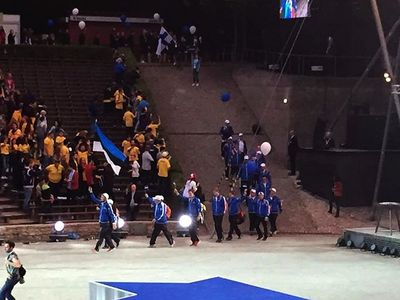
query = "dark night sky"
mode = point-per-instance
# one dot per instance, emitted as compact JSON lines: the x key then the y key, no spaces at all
{"x":349,"y":21}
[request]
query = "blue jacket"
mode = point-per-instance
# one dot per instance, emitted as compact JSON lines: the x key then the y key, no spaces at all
{"x":265,"y":189}
{"x":225,"y":132}
{"x":245,"y":172}
{"x":263,"y":208}
{"x":264,"y":173}
{"x":194,"y":206}
{"x":234,"y":205}
{"x":227,"y":151}
{"x":196,"y":64}
{"x":106,"y":214}
{"x":218,"y":205}
{"x":251,"y":204}
{"x":276,"y":204}
{"x":235,"y":158}
{"x":159,"y":211}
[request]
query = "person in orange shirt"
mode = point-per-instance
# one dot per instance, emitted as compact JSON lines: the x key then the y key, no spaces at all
{"x":119,"y":97}
{"x":27,"y":127}
{"x":48,"y":149}
{"x":17,"y":115}
{"x":5,"y":154}
{"x":126,"y":144}
{"x":83,"y":153}
{"x":163,"y":166}
{"x":133,"y":152}
{"x":64,"y":153}
{"x":128,"y":119}
{"x":154,"y":126}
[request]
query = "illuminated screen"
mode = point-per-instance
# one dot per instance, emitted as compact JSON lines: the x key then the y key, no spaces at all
{"x":292,"y":9}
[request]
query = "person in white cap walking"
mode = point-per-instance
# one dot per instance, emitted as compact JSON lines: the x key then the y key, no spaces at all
{"x":225,"y":132}
{"x":251,"y":203}
{"x":276,"y":208}
{"x":161,"y":213}
{"x":107,"y":220}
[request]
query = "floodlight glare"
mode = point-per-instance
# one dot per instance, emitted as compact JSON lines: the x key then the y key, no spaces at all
{"x":59,"y":226}
{"x":185,"y":221}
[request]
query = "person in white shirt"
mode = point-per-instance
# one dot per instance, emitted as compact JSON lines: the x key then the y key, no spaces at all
{"x":135,"y":172}
{"x":147,"y":161}
{"x":191,"y":184}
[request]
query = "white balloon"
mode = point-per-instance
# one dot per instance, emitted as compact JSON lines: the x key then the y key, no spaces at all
{"x":75,"y":11}
{"x":120,"y":223}
{"x":156,"y":16}
{"x":82,"y":25}
{"x":192,"y":29}
{"x":265,"y":148}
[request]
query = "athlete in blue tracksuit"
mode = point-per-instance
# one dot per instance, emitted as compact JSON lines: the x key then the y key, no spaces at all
{"x":263,"y":211}
{"x":227,"y":151}
{"x":262,"y":171}
{"x":160,"y":220}
{"x":244,"y":175}
{"x":234,"y":210}
{"x":276,"y":209}
{"x":219,"y":204}
{"x":235,"y":162}
{"x":107,"y":220}
{"x":251,"y":202}
{"x":264,"y":186}
{"x":194,"y":210}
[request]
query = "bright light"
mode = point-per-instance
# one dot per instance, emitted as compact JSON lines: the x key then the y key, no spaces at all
{"x":120,"y":223}
{"x":185,"y":221}
{"x":285,"y":100}
{"x":386,"y":75}
{"x":388,"y":79}
{"x":59,"y":226}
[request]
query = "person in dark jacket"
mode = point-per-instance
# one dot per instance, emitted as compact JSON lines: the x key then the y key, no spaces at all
{"x":132,"y":201}
{"x":263,"y":211}
{"x":276,"y":208}
{"x":329,"y":142}
{"x":225,"y":132}
{"x":160,"y":218}
{"x":264,"y":186}
{"x":29,"y":177}
{"x":293,"y":147}
{"x":107,"y":220}
{"x":251,"y":203}
{"x":245,"y":175}
{"x":234,"y":210}
{"x":219,"y":205}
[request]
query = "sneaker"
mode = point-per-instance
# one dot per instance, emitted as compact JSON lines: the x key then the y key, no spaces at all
{"x":172,"y":245}
{"x":152,"y":246}
{"x":111,"y":249}
{"x":105,"y":247}
{"x":218,"y":241}
{"x":117,"y":244}
{"x":193,"y":84}
{"x":239,"y":237}
{"x":195,"y":243}
{"x":95,"y":250}
{"x":259,"y":237}
{"x":22,"y":280}
{"x":4,"y":177}
{"x":329,"y":211}
{"x":229,"y":238}
{"x":264,"y":238}
{"x":197,"y":84}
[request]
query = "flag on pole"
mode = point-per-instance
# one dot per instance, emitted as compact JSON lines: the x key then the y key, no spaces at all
{"x":115,"y":157}
{"x":164,"y":40}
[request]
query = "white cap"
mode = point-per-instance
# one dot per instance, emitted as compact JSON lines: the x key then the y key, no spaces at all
{"x":253,"y":191}
{"x":240,"y":134}
{"x":107,"y":196}
{"x":159,"y":198}
{"x":262,"y":165}
{"x":258,"y":152}
{"x":261,"y":193}
{"x":246,"y":157}
{"x":273,"y":190}
{"x":230,"y":138}
{"x":164,"y":154}
{"x":227,"y":121}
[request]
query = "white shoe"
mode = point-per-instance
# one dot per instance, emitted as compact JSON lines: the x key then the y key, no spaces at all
{"x":151,"y":246}
{"x":193,"y":84}
{"x":173,"y":244}
{"x":197,"y":84}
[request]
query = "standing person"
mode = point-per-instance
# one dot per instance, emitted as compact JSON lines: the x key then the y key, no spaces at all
{"x":245,"y":175}
{"x":190,"y":184}
{"x":129,"y":120}
{"x":13,"y":266}
{"x":228,"y":151}
{"x":276,"y":208}
{"x":337,"y":193}
{"x":29,"y":176}
{"x":194,"y":211}
{"x":329,"y":142}
{"x":161,"y":213}
{"x":242,"y":146}
{"x":293,"y":147}
{"x":119,"y":98}
{"x":219,"y":205}
{"x":147,"y":161}
{"x":107,"y":220}
{"x":225,"y":132}
{"x":135,"y":172}
{"x":251,"y":202}
{"x":11,"y":37}
{"x":263,"y":211}
{"x":234,"y":210}
{"x":163,"y":166}
{"x":196,"y":70}
{"x":132,"y":201}
{"x":264,"y":186}
{"x":55,"y":175}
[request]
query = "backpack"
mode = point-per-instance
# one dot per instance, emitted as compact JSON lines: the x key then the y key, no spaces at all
{"x":168,"y":212}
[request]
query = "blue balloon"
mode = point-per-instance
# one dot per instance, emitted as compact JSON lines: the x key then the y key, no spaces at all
{"x":123,"y":18}
{"x":225,"y":97}
{"x":50,"y":22}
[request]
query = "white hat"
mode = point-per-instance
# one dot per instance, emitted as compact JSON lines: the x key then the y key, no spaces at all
{"x":240,"y":134}
{"x":253,"y":191}
{"x":107,"y":196}
{"x":258,"y":152}
{"x":246,"y":157}
{"x":227,"y":121}
{"x":260,"y":193}
{"x":230,"y":138}
{"x":273,"y":190}
{"x":159,"y":198}
{"x":262,"y":165}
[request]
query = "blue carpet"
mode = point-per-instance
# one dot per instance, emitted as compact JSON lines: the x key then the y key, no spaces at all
{"x":210,"y":289}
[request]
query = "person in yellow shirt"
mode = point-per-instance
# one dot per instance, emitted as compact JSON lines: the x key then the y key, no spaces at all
{"x":128,"y":119}
{"x":60,"y":139}
{"x":55,"y":174}
{"x":139,"y":137}
{"x":83,"y":154}
{"x":163,"y":166}
{"x":126,"y":144}
{"x":14,"y":133}
{"x":64,"y":154}
{"x":154,"y":126}
{"x":49,"y":145}
{"x":5,"y":157}
{"x":133,"y":152}
{"x":17,"y":116}
{"x":27,"y":127}
{"x":24,"y":147}
{"x":119,"y":97}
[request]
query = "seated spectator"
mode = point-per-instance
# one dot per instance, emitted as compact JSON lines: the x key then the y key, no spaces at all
{"x":83,"y":152}
{"x":55,"y":174}
{"x":72,"y":180}
{"x":44,"y":193}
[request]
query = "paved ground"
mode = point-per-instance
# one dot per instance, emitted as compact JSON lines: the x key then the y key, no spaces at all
{"x":303,"y":265}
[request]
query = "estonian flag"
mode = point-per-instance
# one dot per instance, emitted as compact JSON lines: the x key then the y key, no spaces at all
{"x":115,"y":157}
{"x":164,"y":40}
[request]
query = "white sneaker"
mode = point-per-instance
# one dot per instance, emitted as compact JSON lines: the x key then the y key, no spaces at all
{"x":193,"y":84}
{"x":151,"y":246}
{"x":197,"y":84}
{"x":173,"y":244}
